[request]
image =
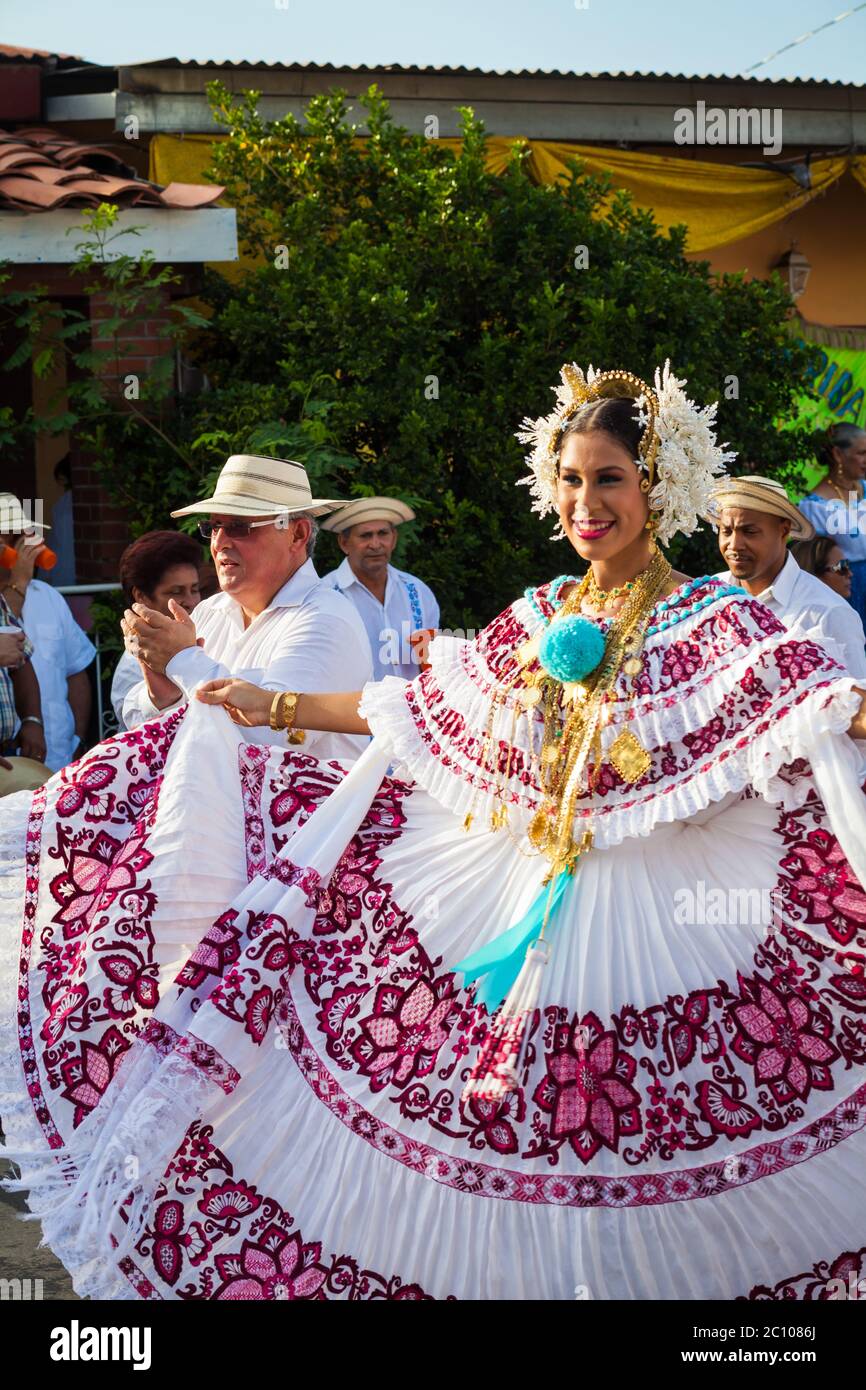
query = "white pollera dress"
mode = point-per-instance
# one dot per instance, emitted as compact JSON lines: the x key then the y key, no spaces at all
{"x":234,"y":1045}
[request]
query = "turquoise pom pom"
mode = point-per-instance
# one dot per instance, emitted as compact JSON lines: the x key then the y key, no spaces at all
{"x":571,"y":648}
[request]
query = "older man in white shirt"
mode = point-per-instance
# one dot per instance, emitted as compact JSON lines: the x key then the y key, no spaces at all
{"x":275,"y":623}
{"x":391,"y":603}
{"x":755,"y":521}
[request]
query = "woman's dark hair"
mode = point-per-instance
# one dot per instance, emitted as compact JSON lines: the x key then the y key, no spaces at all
{"x":143,"y":563}
{"x":813,"y":555}
{"x":839,"y":436}
{"x":614,"y":415}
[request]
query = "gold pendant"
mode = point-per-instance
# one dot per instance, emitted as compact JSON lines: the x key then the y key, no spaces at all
{"x":539,"y":829}
{"x":528,"y":651}
{"x":633,"y":665}
{"x":530,"y":696}
{"x":574,"y":691}
{"x":629,"y":757}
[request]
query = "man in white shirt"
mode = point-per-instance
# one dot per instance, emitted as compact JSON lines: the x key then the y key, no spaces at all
{"x":62,"y":652}
{"x":391,"y":603}
{"x":274,"y":623}
{"x":755,"y":521}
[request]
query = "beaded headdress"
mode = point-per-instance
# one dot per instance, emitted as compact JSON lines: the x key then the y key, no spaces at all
{"x":678,"y":457}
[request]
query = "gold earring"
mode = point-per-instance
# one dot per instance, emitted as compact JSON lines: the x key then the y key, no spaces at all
{"x":644,"y":485}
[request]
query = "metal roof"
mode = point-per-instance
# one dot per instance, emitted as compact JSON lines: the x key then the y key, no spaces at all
{"x":462,"y":71}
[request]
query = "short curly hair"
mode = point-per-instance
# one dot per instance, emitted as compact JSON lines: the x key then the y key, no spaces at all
{"x":143,"y":564}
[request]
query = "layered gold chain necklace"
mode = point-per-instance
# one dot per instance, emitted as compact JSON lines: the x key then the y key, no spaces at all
{"x":574,"y":708}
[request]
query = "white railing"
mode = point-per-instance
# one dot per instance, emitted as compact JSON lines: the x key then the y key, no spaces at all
{"x":106,"y":718}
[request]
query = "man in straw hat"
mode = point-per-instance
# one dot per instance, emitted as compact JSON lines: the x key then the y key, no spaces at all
{"x":755,"y":521}
{"x":275,"y":622}
{"x":62,"y":651}
{"x":391,"y":603}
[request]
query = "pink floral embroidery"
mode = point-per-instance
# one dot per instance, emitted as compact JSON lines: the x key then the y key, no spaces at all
{"x":276,"y":1267}
{"x":88,"y":789}
{"x":245,"y":1246}
{"x":784,"y":1039}
{"x":821,"y":880}
{"x":88,"y":1075}
{"x":96,"y":876}
{"x":680,"y":661}
{"x":819,"y":1283}
{"x":587,"y":1090}
{"x":218,"y":949}
{"x":405,"y":1031}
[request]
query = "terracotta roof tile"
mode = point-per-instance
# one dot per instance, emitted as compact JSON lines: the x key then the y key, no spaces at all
{"x":42,"y":169}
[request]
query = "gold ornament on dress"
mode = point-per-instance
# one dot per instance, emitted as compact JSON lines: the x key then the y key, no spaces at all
{"x":572,"y":716}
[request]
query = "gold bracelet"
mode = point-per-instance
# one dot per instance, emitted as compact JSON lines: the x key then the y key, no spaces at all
{"x":275,"y":707}
{"x":283,"y":709}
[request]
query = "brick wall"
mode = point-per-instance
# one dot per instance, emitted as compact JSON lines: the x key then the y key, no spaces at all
{"x":101,"y":525}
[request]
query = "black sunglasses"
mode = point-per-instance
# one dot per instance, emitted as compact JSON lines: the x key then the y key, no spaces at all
{"x":840,"y":567}
{"x":235,"y":530}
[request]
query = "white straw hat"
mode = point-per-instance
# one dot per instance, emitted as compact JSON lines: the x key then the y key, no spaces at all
{"x":369,"y":509}
{"x":14,"y":519}
{"x":254,"y":485}
{"x":26,"y":775}
{"x":757,"y":494}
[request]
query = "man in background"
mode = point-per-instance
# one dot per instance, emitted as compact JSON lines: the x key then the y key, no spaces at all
{"x":20,"y":700}
{"x":61,"y":650}
{"x":756,"y":520}
{"x":391,"y":603}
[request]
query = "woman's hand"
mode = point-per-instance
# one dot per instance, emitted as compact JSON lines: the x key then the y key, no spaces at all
{"x":245,"y":703}
{"x":335,"y":713}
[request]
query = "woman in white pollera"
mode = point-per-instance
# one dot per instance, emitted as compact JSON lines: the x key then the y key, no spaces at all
{"x":573,"y":1000}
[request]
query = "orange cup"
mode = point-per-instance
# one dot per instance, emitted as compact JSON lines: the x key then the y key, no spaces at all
{"x":45,"y":560}
{"x":420,"y":641}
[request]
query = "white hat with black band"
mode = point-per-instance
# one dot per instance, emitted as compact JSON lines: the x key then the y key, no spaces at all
{"x":365,"y":509}
{"x":254,"y":485}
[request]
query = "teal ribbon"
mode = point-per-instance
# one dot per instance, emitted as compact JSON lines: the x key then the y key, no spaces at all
{"x":501,"y":959}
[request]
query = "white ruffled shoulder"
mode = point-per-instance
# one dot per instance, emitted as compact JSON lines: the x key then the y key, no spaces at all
{"x":728,"y":700}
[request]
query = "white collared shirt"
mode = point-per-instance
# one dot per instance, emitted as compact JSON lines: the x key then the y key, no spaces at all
{"x":60,"y":649}
{"x":409,"y":604}
{"x":804,"y":603}
{"x":309,"y":639}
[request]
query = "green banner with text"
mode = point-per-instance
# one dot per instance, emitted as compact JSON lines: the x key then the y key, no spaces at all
{"x":837,"y":391}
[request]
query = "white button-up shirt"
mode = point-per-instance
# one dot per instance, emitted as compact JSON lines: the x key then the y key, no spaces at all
{"x":308,"y":639}
{"x":804,"y":602}
{"x":409,"y":604}
{"x":60,"y":650}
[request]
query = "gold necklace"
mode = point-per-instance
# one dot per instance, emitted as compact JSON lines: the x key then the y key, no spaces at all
{"x":573,"y":714}
{"x":843,"y":497}
{"x":600,"y":598}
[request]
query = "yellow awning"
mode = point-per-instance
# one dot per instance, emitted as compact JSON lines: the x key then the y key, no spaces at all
{"x":719,"y":203}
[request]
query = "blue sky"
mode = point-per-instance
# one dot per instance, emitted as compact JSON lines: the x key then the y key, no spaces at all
{"x":700,"y":36}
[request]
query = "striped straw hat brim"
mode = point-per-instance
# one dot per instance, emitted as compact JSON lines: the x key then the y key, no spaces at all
{"x":255,"y":485}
